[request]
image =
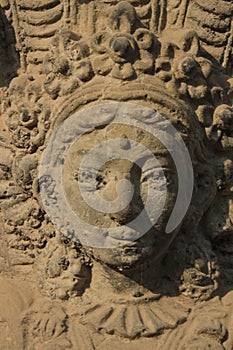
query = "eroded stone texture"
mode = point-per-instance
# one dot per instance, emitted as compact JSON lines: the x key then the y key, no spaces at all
{"x":175,"y":57}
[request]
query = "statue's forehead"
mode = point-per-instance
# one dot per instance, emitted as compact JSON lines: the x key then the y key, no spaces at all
{"x":117,"y":130}
{"x":128,"y":140}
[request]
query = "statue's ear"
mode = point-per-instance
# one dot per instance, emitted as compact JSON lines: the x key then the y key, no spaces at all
{"x":190,"y":43}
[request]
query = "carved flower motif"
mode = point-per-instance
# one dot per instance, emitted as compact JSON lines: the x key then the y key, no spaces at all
{"x":83,"y":70}
{"x":67,"y":65}
{"x":181,"y":67}
{"x":28,"y":119}
{"x":221,"y":130}
{"x":144,"y":317}
{"x":124,"y":54}
{"x":125,"y":49}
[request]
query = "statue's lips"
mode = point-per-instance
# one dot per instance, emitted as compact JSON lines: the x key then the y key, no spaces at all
{"x":131,"y":250}
{"x":134,"y":248}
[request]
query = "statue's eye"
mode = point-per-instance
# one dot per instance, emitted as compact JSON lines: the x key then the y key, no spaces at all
{"x":99,"y":178}
{"x":84,"y":176}
{"x":155,"y":174}
{"x":147,"y":174}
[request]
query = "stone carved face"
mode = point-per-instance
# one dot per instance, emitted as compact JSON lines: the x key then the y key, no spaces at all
{"x":154,"y":243}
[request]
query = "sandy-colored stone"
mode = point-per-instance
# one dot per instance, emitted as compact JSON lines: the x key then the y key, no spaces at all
{"x":60,"y":57}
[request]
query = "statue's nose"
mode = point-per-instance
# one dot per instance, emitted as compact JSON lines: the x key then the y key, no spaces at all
{"x":124,"y":191}
{"x":117,"y":188}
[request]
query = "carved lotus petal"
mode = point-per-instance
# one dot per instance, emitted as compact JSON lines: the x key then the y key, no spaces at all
{"x":100,"y":42}
{"x":77,"y":51}
{"x":83,"y":70}
{"x":123,"y":71}
{"x":133,"y":320}
{"x":102,"y":64}
{"x":134,"y":323}
{"x":146,"y":63}
{"x":123,"y":17}
{"x":52,"y":85}
{"x":144,"y":38}
{"x":62,"y":65}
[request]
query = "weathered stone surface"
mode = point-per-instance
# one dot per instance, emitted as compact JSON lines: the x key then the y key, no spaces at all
{"x":61,"y":57}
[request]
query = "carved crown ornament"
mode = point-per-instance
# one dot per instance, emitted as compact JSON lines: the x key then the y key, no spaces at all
{"x":126,"y":50}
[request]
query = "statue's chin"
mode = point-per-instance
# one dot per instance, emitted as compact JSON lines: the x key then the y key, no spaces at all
{"x":147,"y":249}
{"x":125,"y":257}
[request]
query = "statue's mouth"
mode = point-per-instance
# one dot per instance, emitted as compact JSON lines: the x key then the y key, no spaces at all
{"x":132,"y":251}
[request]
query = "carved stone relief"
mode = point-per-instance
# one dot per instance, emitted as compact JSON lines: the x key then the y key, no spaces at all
{"x":60,"y":58}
